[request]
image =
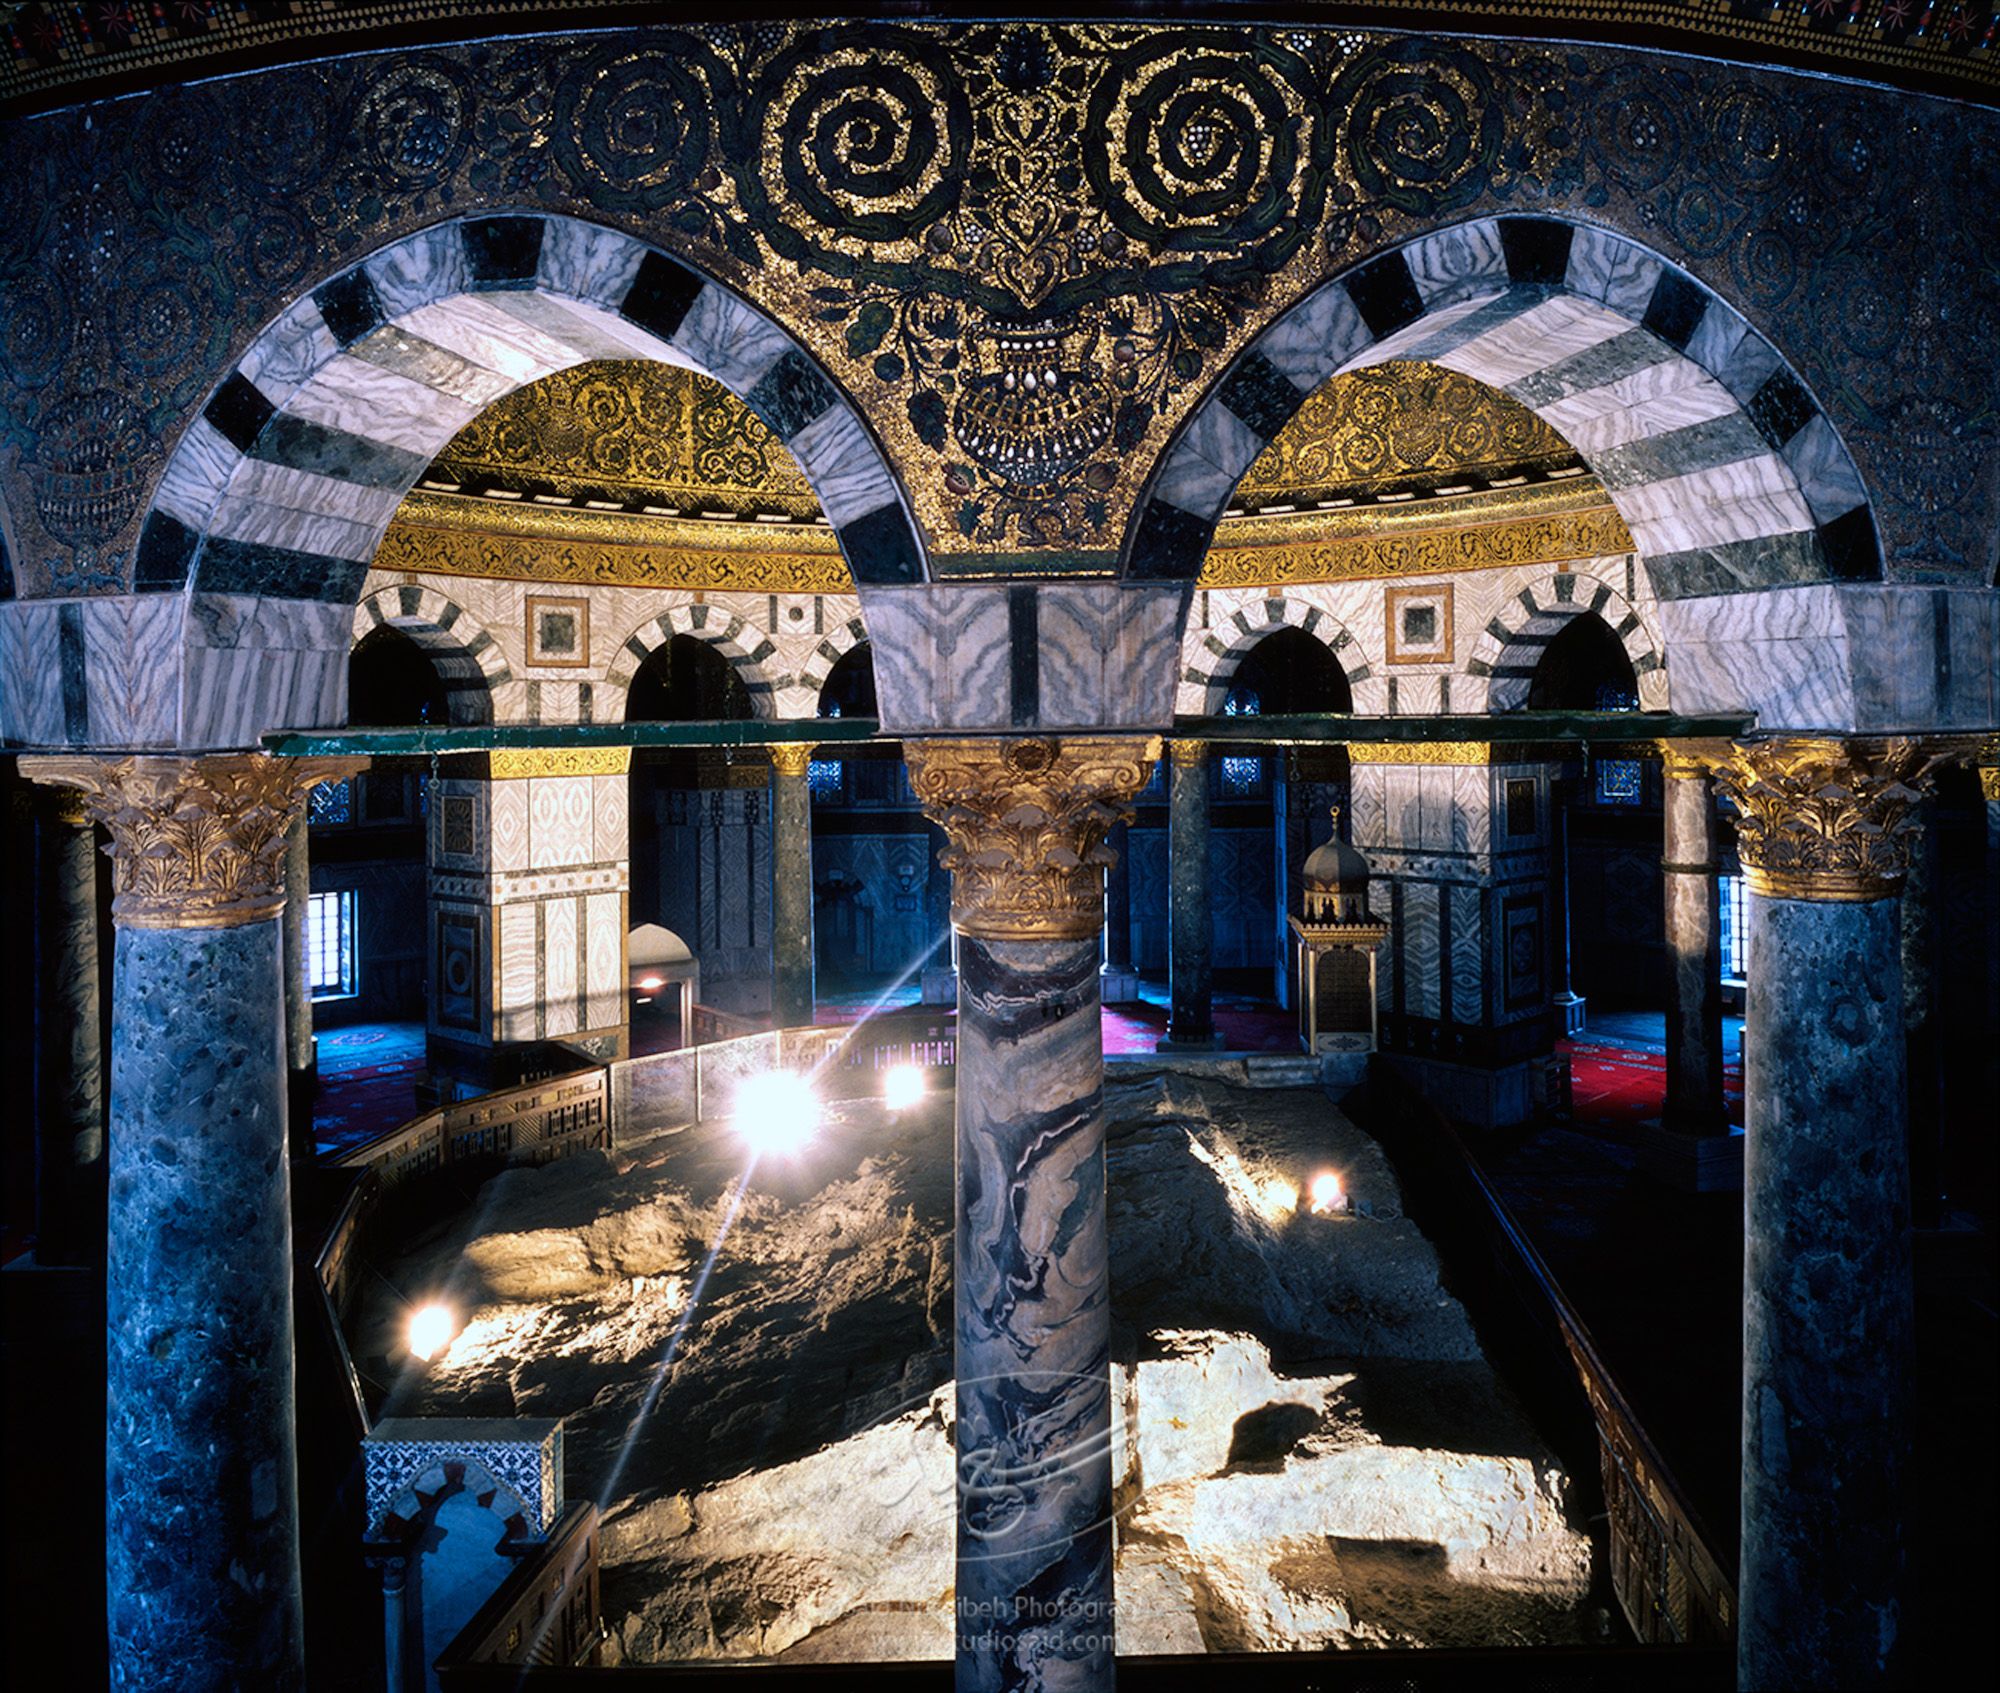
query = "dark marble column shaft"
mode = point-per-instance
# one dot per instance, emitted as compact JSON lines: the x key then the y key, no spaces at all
{"x":1191,"y":926}
{"x":1568,"y":1008}
{"x":70,"y":1171}
{"x":1034,"y":1320}
{"x":301,"y":1052}
{"x":1922,"y":1048}
{"x":1827,"y":1322}
{"x":1694,"y":951}
{"x":201,"y":1533}
{"x":201,"y":1489}
{"x":791,"y":887}
{"x":1026,"y":822}
{"x":1823,"y":830}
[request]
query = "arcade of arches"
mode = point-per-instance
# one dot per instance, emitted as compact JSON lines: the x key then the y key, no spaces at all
{"x":946,"y":518}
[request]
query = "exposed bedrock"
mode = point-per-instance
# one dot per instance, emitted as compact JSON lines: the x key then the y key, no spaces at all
{"x":1310,"y":1450}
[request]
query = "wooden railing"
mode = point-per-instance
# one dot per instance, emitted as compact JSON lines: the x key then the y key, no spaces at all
{"x":547,"y":1612}
{"x":1669,"y":1581}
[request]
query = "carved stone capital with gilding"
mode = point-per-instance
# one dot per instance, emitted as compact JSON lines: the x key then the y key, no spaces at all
{"x":1025,"y":822}
{"x":790,"y":758}
{"x":1820,"y":818}
{"x":1187,"y":755}
{"x":199,"y":842}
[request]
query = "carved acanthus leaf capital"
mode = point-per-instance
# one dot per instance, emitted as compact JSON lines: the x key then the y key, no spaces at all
{"x":1824,"y":819}
{"x":790,"y":758}
{"x":1025,"y":821}
{"x":196,"y":843}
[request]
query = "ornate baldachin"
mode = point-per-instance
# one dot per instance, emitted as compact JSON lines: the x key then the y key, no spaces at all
{"x":196,"y":843}
{"x":1820,"y":818}
{"x":1025,"y":822}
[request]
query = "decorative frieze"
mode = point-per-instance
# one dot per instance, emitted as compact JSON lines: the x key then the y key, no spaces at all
{"x":196,"y":843}
{"x":1025,"y":822}
{"x":513,"y":763}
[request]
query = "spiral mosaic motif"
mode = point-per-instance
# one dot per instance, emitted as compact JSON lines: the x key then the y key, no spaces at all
{"x":160,"y":310}
{"x":1204,"y":150}
{"x":634,"y":129}
{"x":35,"y":328}
{"x":412,"y":123}
{"x":1635,"y":132}
{"x":870,"y":148}
{"x":1424,"y":125}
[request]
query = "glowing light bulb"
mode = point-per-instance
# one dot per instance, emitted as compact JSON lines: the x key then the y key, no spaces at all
{"x":776,"y":1112}
{"x":431,"y":1331}
{"x":652,"y":984}
{"x":1327,"y":1194}
{"x":903,"y":1087}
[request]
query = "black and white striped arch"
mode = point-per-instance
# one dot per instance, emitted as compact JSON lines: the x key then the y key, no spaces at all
{"x":1210,"y":656}
{"x":277,"y":496}
{"x":747,"y":648}
{"x":835,"y":646}
{"x":1723,"y":466}
{"x":466,"y":657}
{"x":1515,"y":637}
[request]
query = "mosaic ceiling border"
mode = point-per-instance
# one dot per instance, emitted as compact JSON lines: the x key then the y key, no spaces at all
{"x":968,"y":237}
{"x":56,"y":52}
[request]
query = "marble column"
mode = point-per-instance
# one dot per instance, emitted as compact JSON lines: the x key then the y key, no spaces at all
{"x":1694,"y":949}
{"x":1923,"y":1055}
{"x":301,"y":1051}
{"x":1026,"y":821}
{"x":1822,"y":832}
{"x":201,"y":1508}
{"x":1567,"y":1004}
{"x":69,"y":1153}
{"x":1121,"y":980}
{"x":791,"y":888}
{"x":1190,"y":925}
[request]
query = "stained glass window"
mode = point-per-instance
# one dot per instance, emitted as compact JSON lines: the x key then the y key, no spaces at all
{"x":1735,"y":928}
{"x":1240,"y":775}
{"x":826,"y":777}
{"x":331,"y":802}
{"x":1619,"y":781}
{"x":330,"y":944}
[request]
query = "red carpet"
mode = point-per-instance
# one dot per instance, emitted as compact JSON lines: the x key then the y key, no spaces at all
{"x":1614,"y":1084}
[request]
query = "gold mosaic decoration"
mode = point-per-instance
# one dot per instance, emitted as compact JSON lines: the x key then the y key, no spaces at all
{"x":629,"y":432}
{"x":1400,"y":425}
{"x":755,"y":561}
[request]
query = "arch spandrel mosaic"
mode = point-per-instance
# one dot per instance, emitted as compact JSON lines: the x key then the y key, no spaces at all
{"x":1111,"y":210}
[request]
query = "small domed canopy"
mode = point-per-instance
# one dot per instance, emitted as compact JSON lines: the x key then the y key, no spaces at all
{"x":1335,"y":881}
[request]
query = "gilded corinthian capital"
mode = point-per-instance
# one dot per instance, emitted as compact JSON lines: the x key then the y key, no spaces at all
{"x":1026,"y":821}
{"x":196,"y":843}
{"x":1824,"y":819}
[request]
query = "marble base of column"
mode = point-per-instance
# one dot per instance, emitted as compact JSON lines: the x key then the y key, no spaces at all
{"x":69,"y":1163}
{"x":201,"y":1531}
{"x":1034,"y":1588}
{"x":791,"y":889}
{"x":1827,"y":1297}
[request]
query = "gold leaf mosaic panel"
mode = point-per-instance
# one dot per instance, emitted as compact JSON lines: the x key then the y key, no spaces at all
{"x":1403,"y":424}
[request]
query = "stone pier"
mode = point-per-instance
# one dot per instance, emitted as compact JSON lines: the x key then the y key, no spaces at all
{"x":1827,"y":1346}
{"x":201,"y":1512}
{"x":791,"y":888}
{"x":1191,"y":925}
{"x":1026,"y":821}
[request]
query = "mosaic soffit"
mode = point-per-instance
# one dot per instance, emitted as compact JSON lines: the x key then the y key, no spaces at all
{"x":633,"y":473}
{"x":653,"y":453}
